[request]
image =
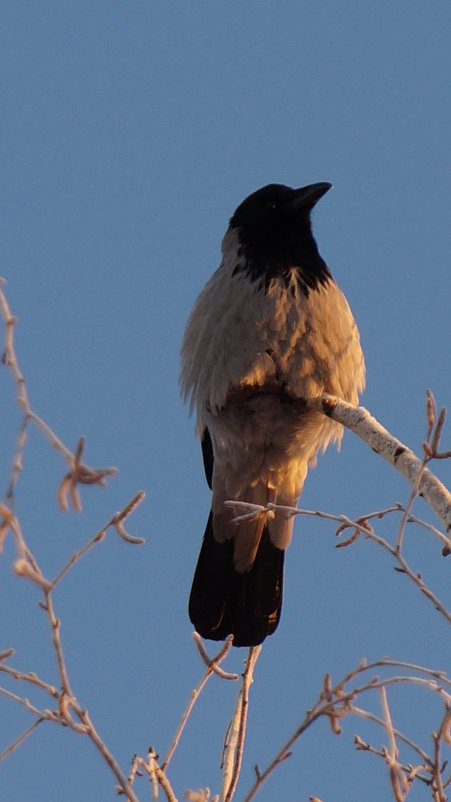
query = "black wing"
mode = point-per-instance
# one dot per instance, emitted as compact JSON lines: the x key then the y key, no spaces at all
{"x":209,"y":458}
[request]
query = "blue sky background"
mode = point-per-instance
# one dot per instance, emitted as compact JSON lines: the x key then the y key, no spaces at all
{"x":130,"y":131}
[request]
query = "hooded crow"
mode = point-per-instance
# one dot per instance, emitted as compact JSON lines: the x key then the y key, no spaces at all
{"x":270,"y":328}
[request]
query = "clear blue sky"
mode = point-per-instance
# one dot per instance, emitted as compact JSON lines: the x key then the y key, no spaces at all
{"x":130,"y":131}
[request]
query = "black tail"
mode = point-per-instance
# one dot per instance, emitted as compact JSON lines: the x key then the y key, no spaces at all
{"x":224,"y":602}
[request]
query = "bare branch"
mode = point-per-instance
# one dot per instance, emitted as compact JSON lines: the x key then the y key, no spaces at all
{"x":359,"y":421}
{"x":21,"y":738}
{"x":359,"y":711}
{"x":337,"y":701}
{"x":106,"y":754}
{"x":14,"y":697}
{"x":31,"y":678}
{"x":115,"y":521}
{"x":360,"y":525}
{"x":234,"y":747}
{"x":442,"y":735}
{"x":212,"y":668}
{"x":78,"y":472}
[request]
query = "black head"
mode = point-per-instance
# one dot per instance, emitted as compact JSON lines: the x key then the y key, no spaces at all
{"x":274,"y":229}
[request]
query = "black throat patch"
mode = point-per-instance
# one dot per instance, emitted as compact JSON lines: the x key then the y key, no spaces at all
{"x":309,"y":274}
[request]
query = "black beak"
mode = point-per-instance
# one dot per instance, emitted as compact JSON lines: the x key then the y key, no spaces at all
{"x":307,"y":197}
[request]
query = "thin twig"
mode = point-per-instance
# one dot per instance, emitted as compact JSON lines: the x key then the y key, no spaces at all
{"x":411,"y":772}
{"x":78,"y":472}
{"x":359,"y":525}
{"x":165,"y":784}
{"x":212,"y":668}
{"x":77,"y":556}
{"x":336,"y":701}
{"x":362,"y":713}
{"x":408,"y":507}
{"x":430,"y":672}
{"x":155,"y":773}
{"x":21,"y":738}
{"x":31,"y":678}
{"x":413,"y":519}
{"x":397,"y":777}
{"x":106,"y":754}
{"x":437,"y":738}
{"x":118,"y":517}
{"x":233,"y":751}
{"x":44,"y":714}
{"x":27,"y":565}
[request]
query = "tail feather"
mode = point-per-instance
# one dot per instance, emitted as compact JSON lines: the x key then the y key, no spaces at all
{"x":224,"y":601}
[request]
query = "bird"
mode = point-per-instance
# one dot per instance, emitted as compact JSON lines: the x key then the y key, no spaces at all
{"x":270,"y":330}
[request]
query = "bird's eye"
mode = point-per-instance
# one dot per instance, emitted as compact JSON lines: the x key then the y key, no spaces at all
{"x":271,"y":205}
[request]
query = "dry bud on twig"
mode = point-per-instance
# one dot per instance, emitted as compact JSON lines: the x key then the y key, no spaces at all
{"x":23,"y":568}
{"x":83,"y":475}
{"x":7,"y":517}
{"x":430,"y":411}
{"x":213,"y":663}
{"x":201,"y":795}
{"x":362,"y":522}
{"x":117,"y":520}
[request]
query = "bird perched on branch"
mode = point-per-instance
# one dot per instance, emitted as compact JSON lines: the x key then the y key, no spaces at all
{"x":270,"y":329}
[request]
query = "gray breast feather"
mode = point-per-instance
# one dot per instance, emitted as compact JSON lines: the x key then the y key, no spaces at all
{"x":239,"y":336}
{"x":243,"y":346}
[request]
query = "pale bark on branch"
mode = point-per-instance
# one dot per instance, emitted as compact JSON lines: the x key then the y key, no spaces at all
{"x":358,"y":420}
